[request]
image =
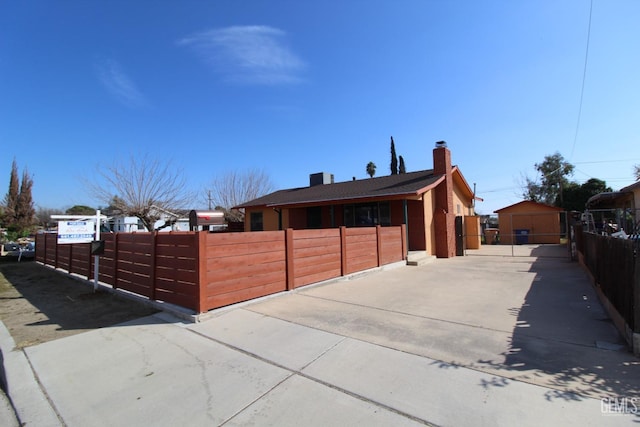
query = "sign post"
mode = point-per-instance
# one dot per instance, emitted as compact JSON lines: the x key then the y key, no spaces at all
{"x":81,"y":229}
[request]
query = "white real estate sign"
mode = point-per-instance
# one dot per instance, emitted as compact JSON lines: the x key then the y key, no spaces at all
{"x":76,"y":231}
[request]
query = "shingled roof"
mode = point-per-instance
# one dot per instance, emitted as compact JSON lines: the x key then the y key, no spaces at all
{"x":406,"y":184}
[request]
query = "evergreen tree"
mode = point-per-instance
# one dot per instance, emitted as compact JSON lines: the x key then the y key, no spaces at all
{"x":394,"y":159}
{"x":11,"y":199}
{"x":575,"y":196}
{"x":25,"y":211}
{"x":402,"y":168}
{"x":371,"y":169}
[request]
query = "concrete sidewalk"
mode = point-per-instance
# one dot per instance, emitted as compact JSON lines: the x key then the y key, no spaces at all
{"x":476,"y":340}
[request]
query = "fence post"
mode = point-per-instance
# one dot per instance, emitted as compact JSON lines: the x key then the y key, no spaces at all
{"x":91,"y":263}
{"x":115,"y":261}
{"x":343,"y":250}
{"x":289,"y":264}
{"x":55,"y":256}
{"x":152,"y":273}
{"x":70,"y":271}
{"x":379,"y":243}
{"x":201,"y":238}
{"x":635,"y":334}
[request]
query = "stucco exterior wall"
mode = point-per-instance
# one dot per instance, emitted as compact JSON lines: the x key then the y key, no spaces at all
{"x":417,"y":240}
{"x":428,"y":200}
{"x":461,"y":205}
{"x":269,"y":219}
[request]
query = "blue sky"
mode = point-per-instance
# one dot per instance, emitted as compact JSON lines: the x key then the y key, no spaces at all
{"x":301,"y":87}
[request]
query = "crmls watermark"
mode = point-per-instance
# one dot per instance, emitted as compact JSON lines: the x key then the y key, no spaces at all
{"x":620,"y":405}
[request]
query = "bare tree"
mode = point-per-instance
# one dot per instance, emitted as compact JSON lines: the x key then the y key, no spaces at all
{"x":234,"y":188}
{"x":43,"y":216}
{"x":636,"y":172}
{"x":143,"y":187}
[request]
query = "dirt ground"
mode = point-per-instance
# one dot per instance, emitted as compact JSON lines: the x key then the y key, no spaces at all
{"x":38,"y":304}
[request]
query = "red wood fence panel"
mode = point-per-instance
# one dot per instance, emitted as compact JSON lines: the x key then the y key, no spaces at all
{"x":391,"y":244}
{"x":316,"y":255}
{"x":243,"y":266}
{"x":63,"y":257}
{"x":134,"y":267}
{"x":41,"y":240}
{"x":107,"y":266}
{"x":46,"y":248}
{"x":202,"y":271}
{"x":81,"y":260}
{"x":361,"y":249}
{"x":176,"y":269}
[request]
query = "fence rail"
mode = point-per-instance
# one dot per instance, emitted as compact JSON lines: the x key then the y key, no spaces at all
{"x":202,"y":271}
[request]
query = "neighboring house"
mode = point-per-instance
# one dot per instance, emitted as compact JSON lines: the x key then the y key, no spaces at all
{"x":635,"y":189}
{"x":430,"y":202}
{"x":169,"y":221}
{"x":529,"y":222}
{"x":621,"y":208}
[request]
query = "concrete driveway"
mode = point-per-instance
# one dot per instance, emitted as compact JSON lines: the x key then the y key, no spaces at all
{"x":487,"y":339}
{"x":534,"y":319}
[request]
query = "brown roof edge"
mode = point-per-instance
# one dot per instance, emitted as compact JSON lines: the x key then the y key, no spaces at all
{"x":456,"y":169}
{"x":390,"y":196}
{"x":551,"y":208}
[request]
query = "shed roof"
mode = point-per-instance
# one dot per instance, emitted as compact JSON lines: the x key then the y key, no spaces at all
{"x":530,"y":203}
{"x":401,"y":185}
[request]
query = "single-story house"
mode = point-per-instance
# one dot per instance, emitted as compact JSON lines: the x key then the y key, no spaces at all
{"x":529,"y":222}
{"x":430,"y":202}
{"x":621,"y":206}
{"x":169,"y":221}
{"x":635,"y":189}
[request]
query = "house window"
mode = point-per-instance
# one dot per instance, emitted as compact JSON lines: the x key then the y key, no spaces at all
{"x":256,"y":221}
{"x":367,"y":214}
{"x":314,"y":217}
{"x":384,"y":213}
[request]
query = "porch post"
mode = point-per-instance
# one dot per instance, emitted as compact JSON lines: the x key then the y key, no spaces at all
{"x":405,"y":213}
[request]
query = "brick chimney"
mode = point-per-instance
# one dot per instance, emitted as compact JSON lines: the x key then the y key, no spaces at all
{"x":444,"y":216}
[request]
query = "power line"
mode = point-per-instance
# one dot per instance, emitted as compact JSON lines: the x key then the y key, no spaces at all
{"x":584,"y":77}
{"x":606,"y":161}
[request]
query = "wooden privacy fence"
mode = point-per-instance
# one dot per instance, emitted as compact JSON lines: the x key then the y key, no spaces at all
{"x":202,"y":271}
{"x":615,"y":267}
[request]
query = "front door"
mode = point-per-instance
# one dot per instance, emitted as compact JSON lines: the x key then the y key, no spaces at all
{"x":459,"y":237}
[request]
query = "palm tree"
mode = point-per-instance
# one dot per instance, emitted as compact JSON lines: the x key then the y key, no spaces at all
{"x":371,"y":169}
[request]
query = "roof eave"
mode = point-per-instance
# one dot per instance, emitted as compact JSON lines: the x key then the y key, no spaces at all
{"x":389,"y":196}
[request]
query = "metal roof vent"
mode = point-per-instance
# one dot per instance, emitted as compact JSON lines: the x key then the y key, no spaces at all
{"x":441,"y":144}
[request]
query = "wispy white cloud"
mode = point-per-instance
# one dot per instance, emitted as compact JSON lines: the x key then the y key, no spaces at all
{"x":119,"y":84}
{"x":248,"y":54}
